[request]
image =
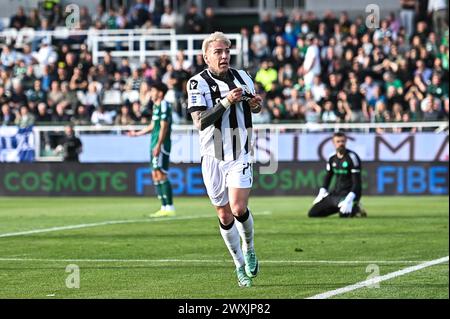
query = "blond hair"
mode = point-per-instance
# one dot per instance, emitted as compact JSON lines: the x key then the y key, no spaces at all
{"x":213,"y":37}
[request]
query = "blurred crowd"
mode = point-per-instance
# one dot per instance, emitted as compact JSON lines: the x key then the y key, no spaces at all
{"x":309,"y":69}
{"x":335,"y":69}
{"x":141,"y":14}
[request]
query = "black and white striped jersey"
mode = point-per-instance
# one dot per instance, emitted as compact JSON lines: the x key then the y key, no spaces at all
{"x":230,"y":136}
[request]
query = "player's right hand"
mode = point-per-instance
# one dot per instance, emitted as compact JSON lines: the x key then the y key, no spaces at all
{"x":322,"y":194}
{"x":235,"y":95}
{"x":131,"y":133}
{"x":255,"y":102}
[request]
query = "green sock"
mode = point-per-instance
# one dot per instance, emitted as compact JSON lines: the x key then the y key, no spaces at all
{"x":159,"y":193}
{"x":167,"y":192}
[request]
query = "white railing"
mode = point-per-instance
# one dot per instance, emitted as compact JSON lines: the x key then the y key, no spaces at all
{"x":437,"y":127}
{"x":173,"y":41}
{"x":166,"y":42}
{"x":26,"y":35}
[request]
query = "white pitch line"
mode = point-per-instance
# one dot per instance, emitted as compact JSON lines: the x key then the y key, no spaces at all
{"x":379,"y":279}
{"x":345,"y":262}
{"x":211,"y":261}
{"x":112,"y":222}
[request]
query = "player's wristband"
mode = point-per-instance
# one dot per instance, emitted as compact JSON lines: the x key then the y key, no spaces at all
{"x":225,"y":102}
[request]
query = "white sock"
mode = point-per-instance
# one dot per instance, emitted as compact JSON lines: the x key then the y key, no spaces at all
{"x":169,"y":207}
{"x":233,"y":243}
{"x":246,"y":232}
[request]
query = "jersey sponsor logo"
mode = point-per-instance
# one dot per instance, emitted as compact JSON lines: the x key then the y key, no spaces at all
{"x":246,"y":90}
{"x":345,"y":164}
{"x":247,"y":95}
{"x":339,"y":171}
{"x":193,"y":99}
{"x":193,"y":85}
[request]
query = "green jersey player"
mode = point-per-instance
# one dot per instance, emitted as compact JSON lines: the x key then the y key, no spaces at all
{"x":160,"y":128}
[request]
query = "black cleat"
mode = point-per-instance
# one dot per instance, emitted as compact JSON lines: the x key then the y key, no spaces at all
{"x":361,"y":212}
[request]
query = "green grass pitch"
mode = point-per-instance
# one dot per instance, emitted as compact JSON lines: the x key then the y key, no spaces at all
{"x":185,"y":257}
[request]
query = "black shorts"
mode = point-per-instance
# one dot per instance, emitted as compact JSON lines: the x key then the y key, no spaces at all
{"x":329,"y":206}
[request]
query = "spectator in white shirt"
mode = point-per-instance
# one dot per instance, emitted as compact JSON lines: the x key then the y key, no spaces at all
{"x":318,"y":88}
{"x":91,"y":97}
{"x":46,"y":55}
{"x":259,"y":43}
{"x":181,"y":63}
{"x":311,"y":65}
{"x":102,"y":117}
{"x":168,"y":18}
{"x":328,"y":114}
{"x":430,"y":103}
{"x":312,"y":109}
{"x":27,"y":55}
{"x":9,"y":56}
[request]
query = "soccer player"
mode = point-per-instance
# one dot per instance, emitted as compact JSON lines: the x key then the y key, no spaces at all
{"x":160,"y":127}
{"x":221,"y":101}
{"x":344,"y":198}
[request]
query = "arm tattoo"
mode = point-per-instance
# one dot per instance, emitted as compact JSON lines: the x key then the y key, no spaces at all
{"x":203,"y":119}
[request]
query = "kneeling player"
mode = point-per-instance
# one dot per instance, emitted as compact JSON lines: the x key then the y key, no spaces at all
{"x":344,"y":198}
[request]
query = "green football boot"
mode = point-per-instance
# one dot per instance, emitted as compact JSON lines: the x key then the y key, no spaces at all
{"x":243,"y":279}
{"x":251,"y":263}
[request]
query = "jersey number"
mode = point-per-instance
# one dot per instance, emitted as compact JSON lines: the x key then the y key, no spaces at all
{"x":246,"y":167}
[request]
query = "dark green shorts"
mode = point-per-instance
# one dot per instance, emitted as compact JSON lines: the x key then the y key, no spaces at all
{"x":161,"y":162}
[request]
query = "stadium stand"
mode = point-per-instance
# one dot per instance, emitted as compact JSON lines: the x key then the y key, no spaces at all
{"x":367,"y":75}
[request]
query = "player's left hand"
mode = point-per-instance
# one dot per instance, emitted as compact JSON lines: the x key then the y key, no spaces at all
{"x":255,"y":102}
{"x":157,"y":150}
{"x":346,"y":206}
